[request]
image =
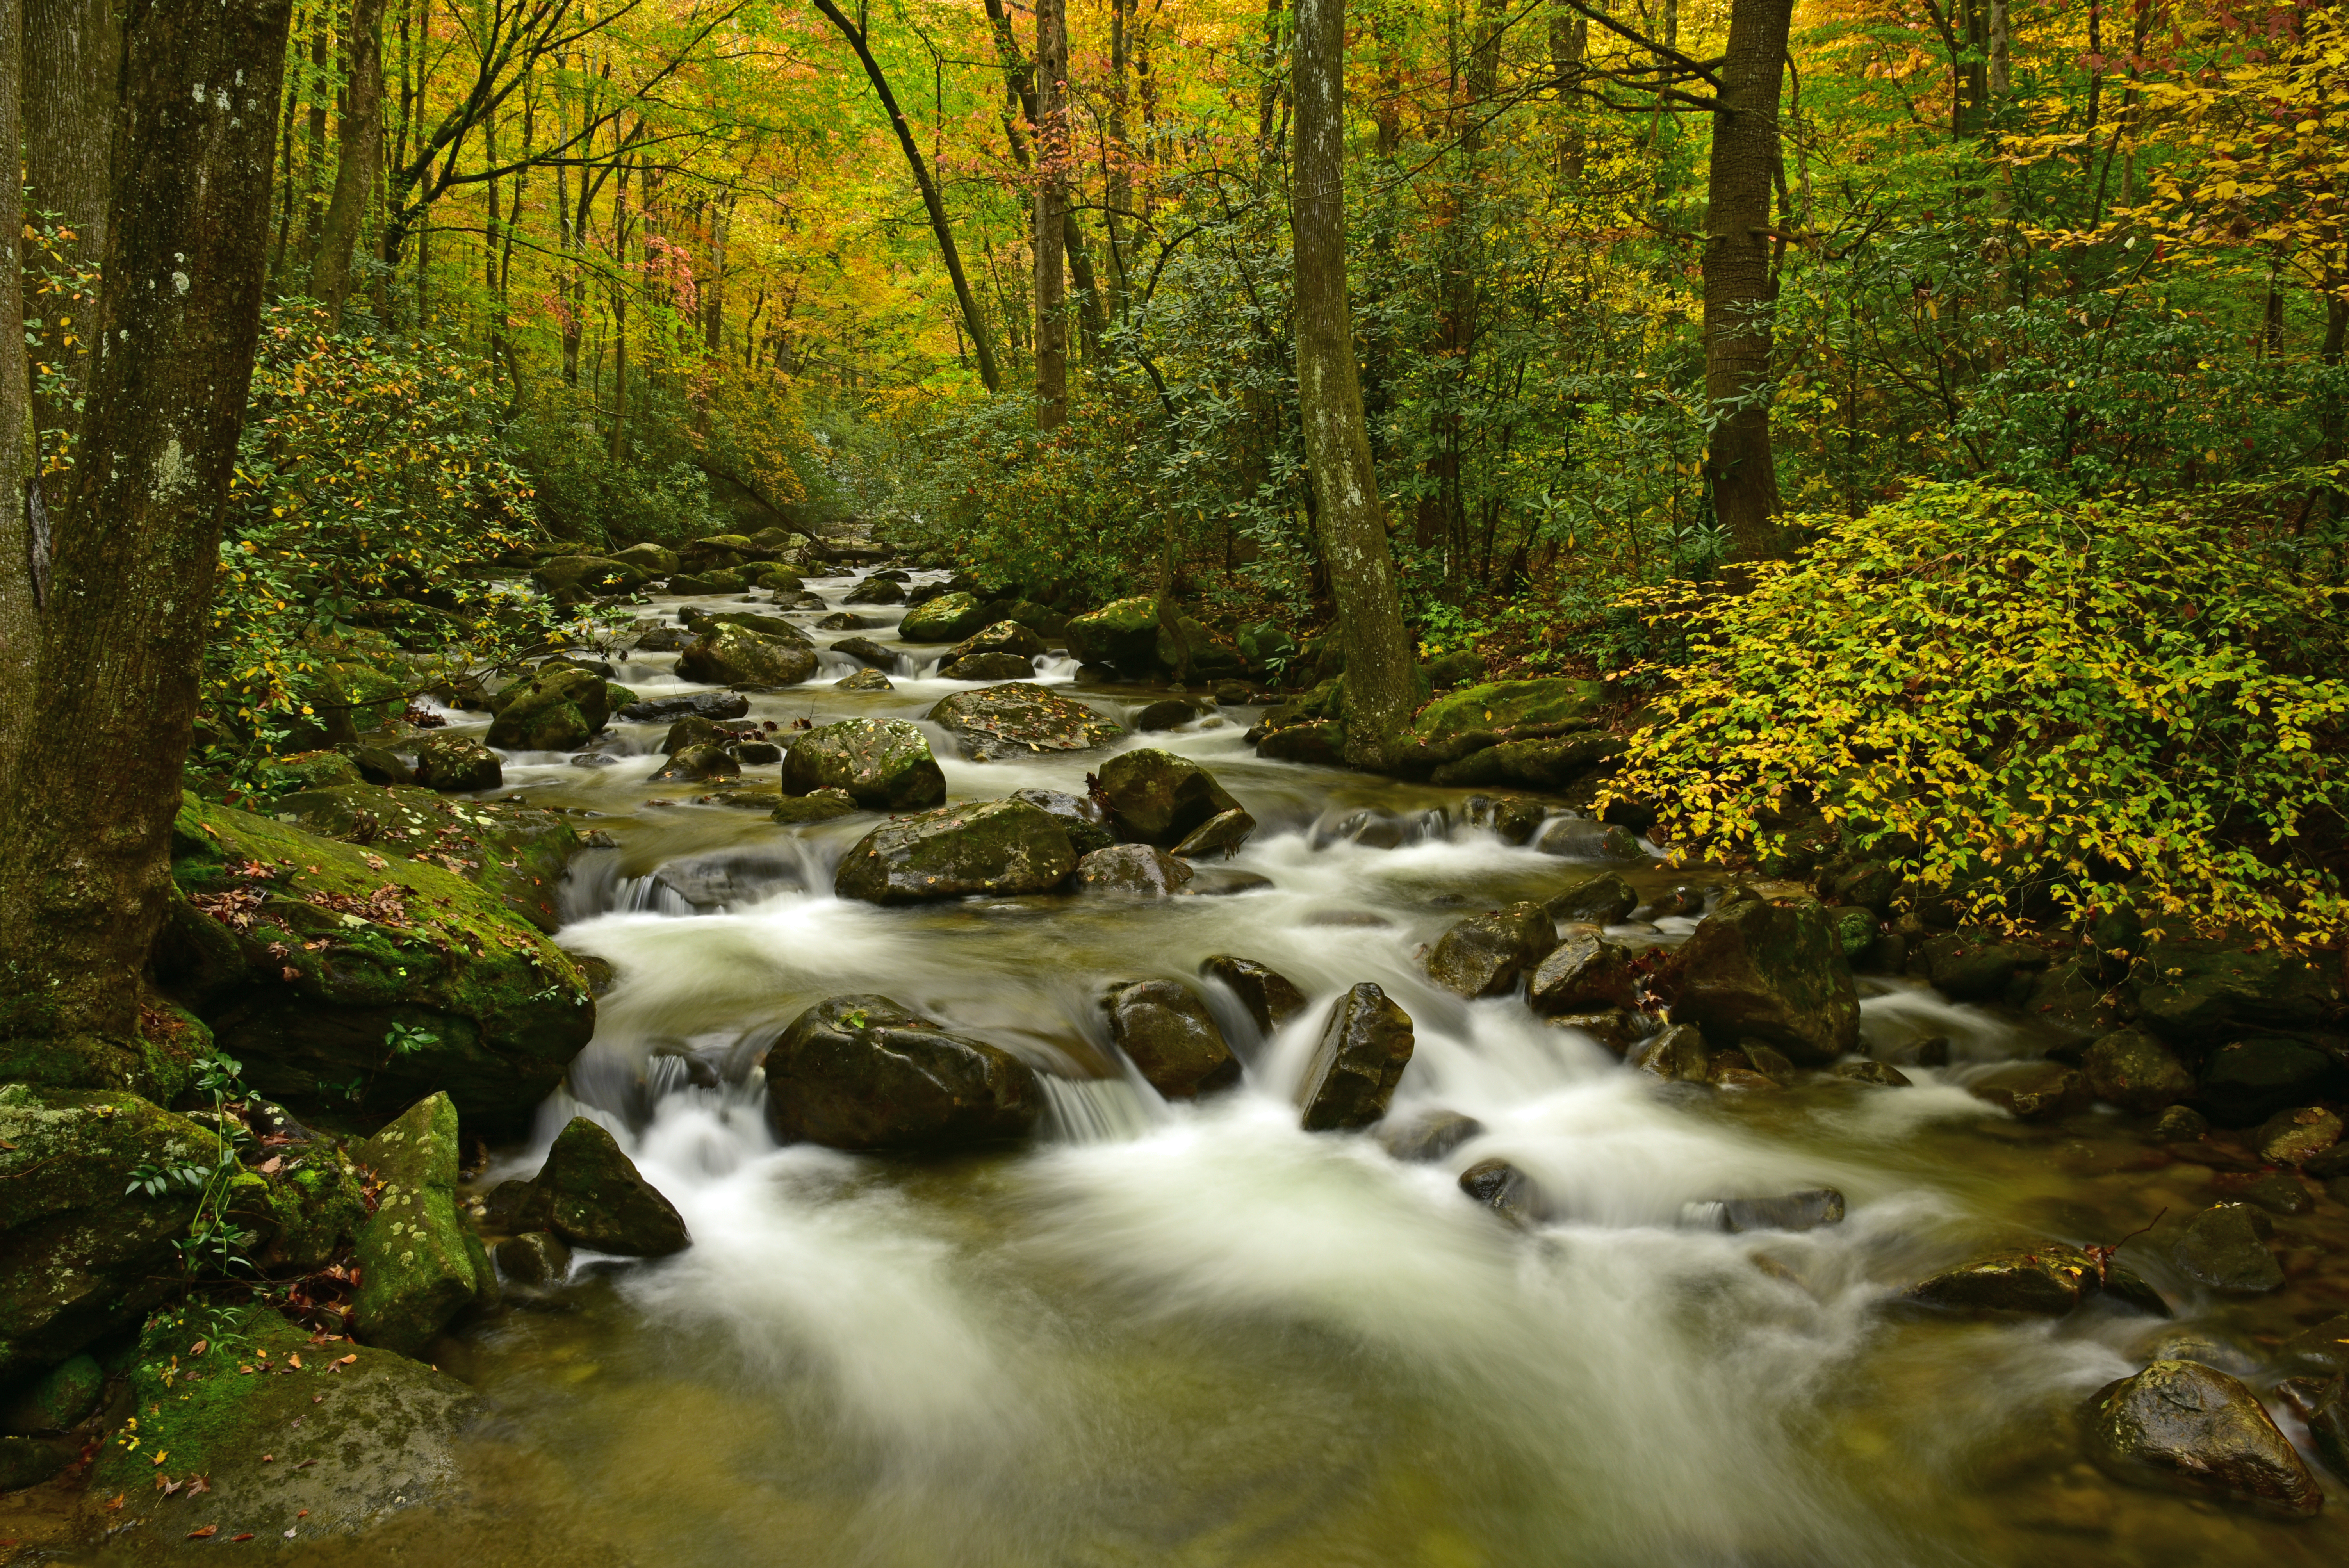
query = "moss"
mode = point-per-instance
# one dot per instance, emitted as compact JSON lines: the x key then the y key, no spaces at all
{"x":316,"y":1208}
{"x":519,"y":854}
{"x":419,"y":1263}
{"x":1509,"y":710}
{"x":948,"y":618}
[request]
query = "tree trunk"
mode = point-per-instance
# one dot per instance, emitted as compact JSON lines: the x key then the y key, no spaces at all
{"x":358,"y":149}
{"x":70,"y":57}
{"x":314,"y":150}
{"x":93,"y":763}
{"x":1051,"y":209}
{"x":23,"y":522}
{"x":1379,"y":692}
{"x":1740,"y":290}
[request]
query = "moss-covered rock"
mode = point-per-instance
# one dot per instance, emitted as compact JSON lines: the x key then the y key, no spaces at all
{"x":1155,"y":797}
{"x":992,"y":847}
{"x":866,"y":680}
{"x":556,"y":709}
{"x":875,"y":589}
{"x":2203,"y":993}
{"x":652,"y":560}
{"x":865,"y":1072}
{"x":1081,"y":815}
{"x":420,"y":1262}
{"x":1315,"y":743}
{"x":735,"y":655}
{"x":589,"y":574}
{"x":816,"y":805}
{"x":1533,"y":764}
{"x":1581,"y":974}
{"x":516,"y":852}
{"x":1131,"y":870}
{"x":1497,"y":713}
{"x":1167,"y":1032}
{"x":2226,"y":1247}
{"x":1603,"y":900}
{"x":717,"y":580}
{"x":2184,"y":1427}
{"x":1002,"y":637}
{"x":56,"y":1399}
{"x":458,"y":762}
{"x":317,"y":1206}
{"x":693,"y":763}
{"x":1122,"y":635}
{"x":325,"y":1448}
{"x":773,"y":627}
{"x":595,"y":1198}
{"x":948,"y":618}
{"x":2137,"y":1071}
{"x":986,"y":667}
{"x":2245,"y":1081}
{"x":310,"y":770}
{"x":883,"y":764}
{"x":1772,"y":971}
{"x":1020,"y":719}
{"x":303,"y":972}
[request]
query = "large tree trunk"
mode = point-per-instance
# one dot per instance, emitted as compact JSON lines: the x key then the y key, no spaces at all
{"x":93,"y":762}
{"x":1740,"y":290}
{"x":1352,"y":522}
{"x":1052,"y":212}
{"x":359,"y":149}
{"x":71,"y":56}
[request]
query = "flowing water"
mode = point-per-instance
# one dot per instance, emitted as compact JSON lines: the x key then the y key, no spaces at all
{"x":1194,"y":1335}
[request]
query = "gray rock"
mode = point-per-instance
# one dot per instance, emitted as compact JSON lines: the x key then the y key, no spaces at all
{"x":1021,"y":719}
{"x":1503,"y":1188}
{"x":867,"y":679}
{"x":867,"y":651}
{"x":2137,"y":1072}
{"x":883,"y":764}
{"x":1081,"y":815}
{"x":709,"y":705}
{"x":1804,"y":1211}
{"x":1581,"y":838}
{"x":1430,"y":1136}
{"x":1220,"y":834}
{"x":1774,"y":972}
{"x":1581,"y":974}
{"x":2225,"y":1247}
{"x":876,"y":591}
{"x":1676,"y":1056}
{"x":1166,"y":1031}
{"x":1603,"y":900}
{"x":458,"y":762}
{"x":1157,"y":798}
{"x":1360,"y":1060}
{"x":996,"y":847}
{"x":701,"y":760}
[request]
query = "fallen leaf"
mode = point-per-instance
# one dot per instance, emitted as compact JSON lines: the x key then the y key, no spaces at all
{"x":295,"y":1359}
{"x":267,"y":1459}
{"x":206,"y":1534}
{"x":318,"y":1398}
{"x":347,"y":1359}
{"x":115,"y":1505}
{"x":197,"y":1484}
{"x":247,"y":1370}
{"x":199,"y":1346}
{"x":271,"y":1166}
{"x":162,"y":1454}
{"x":247,"y":1536}
{"x":306,"y":1464}
{"x":166,"y":1485}
{"x":289,"y":1533}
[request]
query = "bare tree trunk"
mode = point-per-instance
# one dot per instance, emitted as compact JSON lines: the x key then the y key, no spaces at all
{"x":23,"y":524}
{"x":358,"y":152}
{"x":71,"y":54}
{"x":84,"y":826}
{"x":1352,"y":521}
{"x":1739,"y":290}
{"x":1051,"y":208}
{"x":314,"y":150}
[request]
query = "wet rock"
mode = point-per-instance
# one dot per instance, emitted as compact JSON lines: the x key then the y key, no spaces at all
{"x":1580,"y":839}
{"x":864,"y":1072}
{"x":556,"y":709}
{"x":1483,"y":955}
{"x":2137,"y":1071}
{"x":1006,"y":637}
{"x":2184,"y":1427}
{"x":1081,"y":815}
{"x":867,"y":651}
{"x":596,"y":1199}
{"x":1499,"y":712}
{"x":1137,"y":870}
{"x":815,"y":806}
{"x":987,"y":667}
{"x":515,"y":853}
{"x":2031,"y":1091}
{"x":2047,"y":1280}
{"x":29,"y":1461}
{"x":2324,"y":1406}
{"x":1770,"y":1063}
{"x":2180,"y":1124}
{"x":1877,"y":1073}
{"x":378,"y":766}
{"x":652,"y":560}
{"x":690,"y":730}
{"x":1533,"y":764}
{"x":2225,"y":1247}
{"x":56,"y":1399}
{"x":734,"y":655}
{"x":1269,"y":996}
{"x":2246,"y":1081}
{"x":991,"y":846}
{"x":755,"y":753}
{"x":710,"y":705}
{"x":1168,"y":713}
{"x":1857,"y":930}
{"x":1581,"y":974}
{"x":1676,"y":1056}
{"x":884,"y":764}
{"x":458,"y":762}
{"x":1166,"y":1031}
{"x":1803,"y":1210}
{"x":2207,"y":993}
{"x":1224,"y":882}
{"x":1361,"y":1059}
{"x":420,"y":1263}
{"x":2298,"y":1136}
{"x":1616,"y":1027}
{"x":1974,"y":966}
{"x":1221,"y":834}
{"x":1508,"y":818}
{"x":1428,"y":1137}
{"x":589,"y":574}
{"x":535,"y":1257}
{"x":1603,"y":900}
{"x":807,"y":603}
{"x":701,"y":760}
{"x":1503,"y":1188}
{"x":1319,"y":743}
{"x":846,"y":621}
{"x":1775,"y":972}
{"x":866,"y":680}
{"x":2320,"y":1352}
{"x":946,"y":618}
{"x":876,"y":591}
{"x":2278,"y":1194}
{"x":2333,"y":1161}
{"x":1123,"y":635}
{"x":1020,"y":719}
{"x":1154,"y":797}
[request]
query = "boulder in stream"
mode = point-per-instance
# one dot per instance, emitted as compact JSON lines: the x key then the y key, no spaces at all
{"x":2184,"y":1427}
{"x":1483,"y":955}
{"x":458,"y":762}
{"x":2226,"y":1247}
{"x":1803,"y":1210}
{"x":1677,"y":1056}
{"x":2137,"y":1070}
{"x":1020,"y":719}
{"x":1155,"y":797}
{"x":1360,"y":1060}
{"x":865,"y":680}
{"x":1505,"y":1190}
{"x":515,"y":852}
{"x":710,"y":705}
{"x":1582,"y":839}
{"x":1603,"y":900}
{"x":884,"y":764}
{"x":533,"y":1257}
{"x":815,"y":806}
{"x":2297,"y":1136}
{"x":2245,"y":1081}
{"x":1534,"y":764}
{"x":558,"y":709}
{"x":867,"y":651}
{"x":864,"y":1072}
{"x":734,"y":655}
{"x":1081,"y":815}
{"x":876,"y":591}
{"x":1772,"y":971}
{"x":1137,"y":870}
{"x":1427,"y":1137}
{"x":984,"y":847}
{"x":986,"y":667}
{"x":420,"y":1262}
{"x":589,"y":574}
{"x":946,"y":618}
{"x":1221,"y":834}
{"x":1582,"y":975}
{"x":595,"y":1198}
{"x":2047,"y":1280}
{"x":1007,"y":637}
{"x":1167,"y":1032}
{"x":1270,"y":999}
{"x":692,"y":764}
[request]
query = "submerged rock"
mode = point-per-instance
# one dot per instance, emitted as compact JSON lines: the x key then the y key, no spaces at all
{"x":1021,"y":719}
{"x":1772,"y":971}
{"x":1358,"y":1063}
{"x":2047,"y":1280}
{"x":2297,"y":1136}
{"x":1269,"y":997}
{"x":1135,"y":870}
{"x":1676,"y":1056}
{"x":2226,"y":1247}
{"x":419,"y":1263}
{"x":710,"y":705}
{"x":2031,"y":1091}
{"x":596,"y":1199}
{"x":1582,"y":975}
{"x":1157,"y":798}
{"x":1804,"y":1211}
{"x":1081,"y":815}
{"x":986,"y":667}
{"x":1221,"y":834}
{"x":867,"y":651}
{"x":865,"y":1072}
{"x":1503,"y":1188}
{"x":2185,"y":1426}
{"x":2324,"y":1407}
{"x":866,"y":680}
{"x":1483,"y":955}
{"x":1166,"y":1031}
{"x":1879,"y":1074}
{"x":1428,"y":1137}
{"x":535,"y":1257}
{"x":815,"y":806}
{"x":883,"y":764}
{"x":702,"y":759}
{"x":458,"y":762}
{"x":988,"y":847}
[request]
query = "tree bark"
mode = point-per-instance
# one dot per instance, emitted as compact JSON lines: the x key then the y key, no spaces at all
{"x":21,"y":523}
{"x":358,"y":152}
{"x":93,"y":763}
{"x":1347,"y":513}
{"x":1740,"y":287}
{"x":1052,"y":211}
{"x":70,"y":57}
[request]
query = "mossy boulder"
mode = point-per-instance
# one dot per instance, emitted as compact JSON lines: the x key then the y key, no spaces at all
{"x":1603,"y":900}
{"x":865,"y":1072}
{"x":1003,"y":637}
{"x":2245,"y":1081}
{"x":1081,"y":815}
{"x":948,"y":618}
{"x":458,"y":763}
{"x":715,"y":579}
{"x":302,"y":974}
{"x":420,"y":1262}
{"x":2204,"y":993}
{"x":2136,"y":1070}
{"x":991,"y":846}
{"x":2184,"y":1427}
{"x":986,"y":667}
{"x":1020,"y":719}
{"x":589,"y":574}
{"x":653,"y":559}
{"x":884,"y":764}
{"x":876,"y":591}
{"x":1122,"y":635}
{"x":817,"y":806}
{"x":1155,"y":797}
{"x":516,"y":852}
{"x":1355,"y":1070}
{"x":1533,"y":764}
{"x":1133,"y":871}
{"x":80,"y":1257}
{"x":310,"y":770}
{"x":556,"y":709}
{"x":1772,"y":971}
{"x":592,"y":1195}
{"x":735,"y":655}
{"x":329,"y":1447}
{"x":56,"y":1399}
{"x":1498,"y":712}
{"x":318,"y":1208}
{"x":1315,"y":743}
{"x":771,"y":626}
{"x":693,"y":763}
{"x":1584,"y":973}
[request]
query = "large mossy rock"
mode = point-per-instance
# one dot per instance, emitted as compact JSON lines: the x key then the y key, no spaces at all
{"x":420,"y":1262}
{"x":2138,"y":1071}
{"x":589,"y":574}
{"x":948,"y":618}
{"x":302,"y":974}
{"x":2047,"y":1280}
{"x":516,"y":852}
{"x":736,"y":655}
{"x":653,"y":559}
{"x":2245,"y":1081}
{"x":2225,"y":1247}
{"x":1003,"y":637}
{"x":1122,"y":634}
{"x":594,"y":1197}
{"x":883,"y":764}
{"x":1081,"y":815}
{"x":1533,"y":764}
{"x":1020,"y":719}
{"x":1167,"y":1032}
{"x":1499,"y":713}
{"x":2204,"y":993}
{"x":1157,"y":798}
{"x":79,"y":1256}
{"x":988,"y":847}
{"x":2184,"y":1427}
{"x":458,"y":763}
{"x":556,"y":709}
{"x":351,"y":1436}
{"x":986,"y":667}
{"x":1484,"y":955}
{"x":1360,"y":1060}
{"x":1759,"y":969}
{"x":864,"y":1072}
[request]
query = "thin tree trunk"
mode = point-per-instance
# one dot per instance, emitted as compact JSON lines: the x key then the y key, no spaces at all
{"x":24,"y":546}
{"x":71,"y":54}
{"x":1051,"y":208}
{"x":314,"y":150}
{"x":84,"y":826}
{"x":358,"y":152}
{"x":1739,"y":290}
{"x":1379,"y":692}
{"x":1117,"y":178}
